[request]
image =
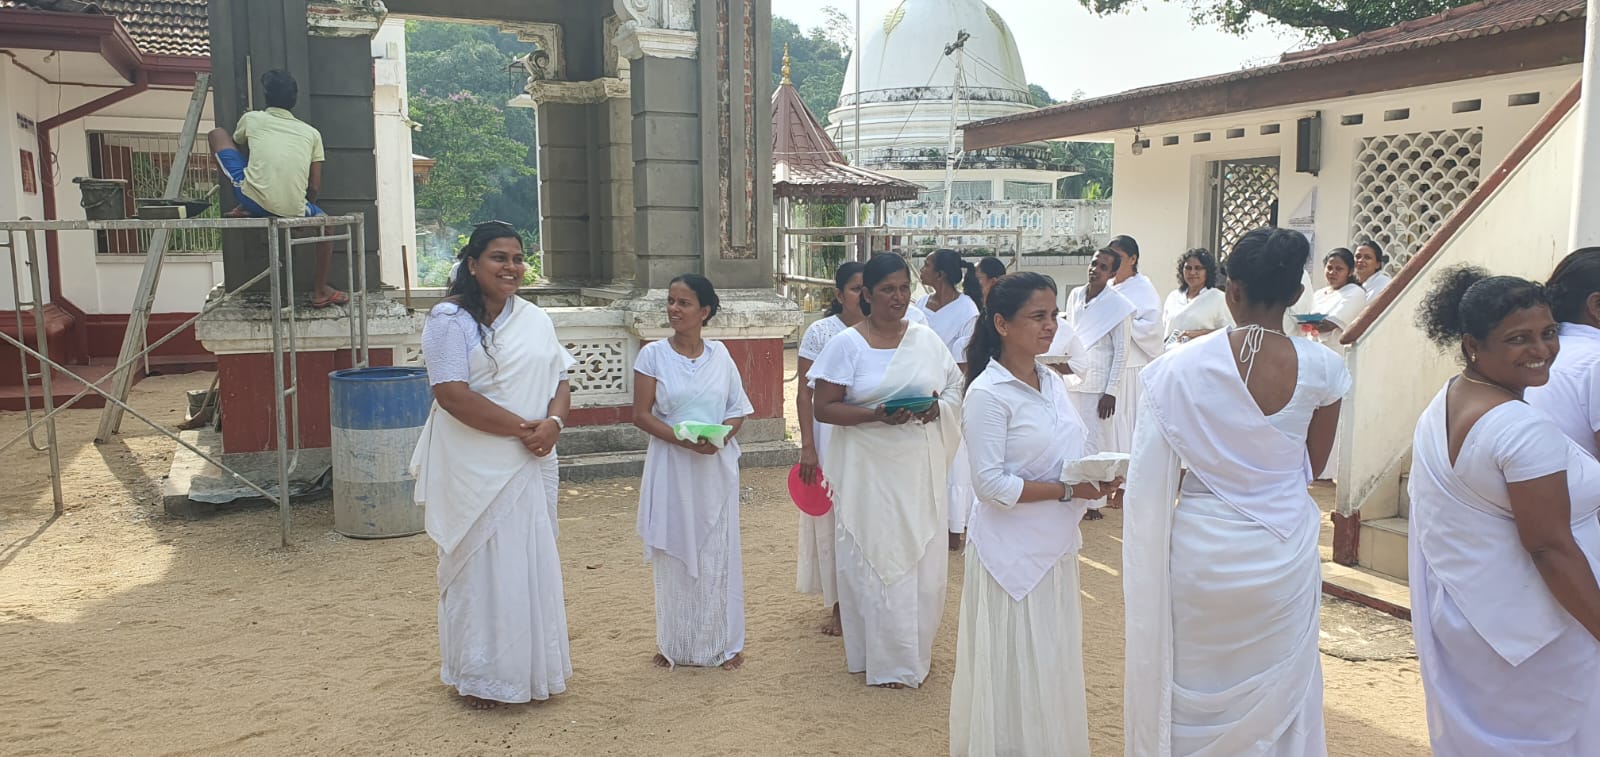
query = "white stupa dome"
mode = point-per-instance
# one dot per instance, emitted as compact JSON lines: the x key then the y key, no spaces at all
{"x":905,"y":51}
{"x":907,"y":84}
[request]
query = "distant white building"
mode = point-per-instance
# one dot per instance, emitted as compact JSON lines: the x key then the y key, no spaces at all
{"x":907,"y":91}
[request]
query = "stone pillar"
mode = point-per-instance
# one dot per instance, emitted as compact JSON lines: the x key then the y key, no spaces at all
{"x":585,"y":178}
{"x":703,"y":179}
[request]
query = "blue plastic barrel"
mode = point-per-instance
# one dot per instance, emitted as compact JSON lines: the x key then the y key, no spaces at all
{"x":377,"y":416}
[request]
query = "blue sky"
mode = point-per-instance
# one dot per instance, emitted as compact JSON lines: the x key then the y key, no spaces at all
{"x":1104,"y":55}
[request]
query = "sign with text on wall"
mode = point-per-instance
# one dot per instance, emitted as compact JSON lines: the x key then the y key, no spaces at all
{"x":30,"y":180}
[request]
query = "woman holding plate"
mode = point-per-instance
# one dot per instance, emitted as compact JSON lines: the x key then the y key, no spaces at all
{"x":1019,"y":653}
{"x":689,"y":496}
{"x":892,"y":393}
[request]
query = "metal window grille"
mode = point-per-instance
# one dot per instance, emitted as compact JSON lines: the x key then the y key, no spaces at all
{"x":144,"y":160}
{"x":1244,"y":196}
{"x":1406,"y":185}
{"x":1028,"y":190}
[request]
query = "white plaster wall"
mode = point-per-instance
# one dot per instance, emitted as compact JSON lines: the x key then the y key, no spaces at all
{"x":1521,"y":231}
{"x":1153,"y":189}
{"x":18,"y":96}
{"x":396,"y":191}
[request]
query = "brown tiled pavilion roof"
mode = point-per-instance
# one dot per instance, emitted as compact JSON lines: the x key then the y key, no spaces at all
{"x":806,"y":164}
{"x":171,"y":27}
{"x":1487,"y":18}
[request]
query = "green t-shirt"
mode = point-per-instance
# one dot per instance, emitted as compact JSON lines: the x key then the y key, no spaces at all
{"x":282,"y":149}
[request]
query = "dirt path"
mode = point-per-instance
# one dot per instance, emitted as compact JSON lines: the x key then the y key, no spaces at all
{"x":128,"y":633}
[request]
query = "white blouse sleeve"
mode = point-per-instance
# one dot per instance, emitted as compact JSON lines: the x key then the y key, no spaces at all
{"x":1527,"y":445}
{"x":1336,"y":379}
{"x":1352,"y":298}
{"x":836,"y":364}
{"x":647,"y":362}
{"x":447,"y":342}
{"x":985,"y":421}
{"x":814,"y":340}
{"x":1590,"y":391}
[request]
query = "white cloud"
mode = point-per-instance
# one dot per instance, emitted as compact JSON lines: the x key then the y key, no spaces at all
{"x":1066,"y":48}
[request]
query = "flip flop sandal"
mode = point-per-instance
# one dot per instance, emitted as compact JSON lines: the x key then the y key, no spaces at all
{"x":338,"y":298}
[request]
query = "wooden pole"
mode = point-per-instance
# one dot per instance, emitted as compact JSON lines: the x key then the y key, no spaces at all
{"x":405,"y":273}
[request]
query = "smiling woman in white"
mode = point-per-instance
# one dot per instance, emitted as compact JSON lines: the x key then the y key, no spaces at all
{"x":1019,"y":656}
{"x":1197,"y":307}
{"x":689,"y":496}
{"x":1370,"y":261}
{"x":888,"y":474}
{"x":1340,"y":301}
{"x":486,"y":472}
{"x":1504,"y":541}
{"x":1223,"y":590}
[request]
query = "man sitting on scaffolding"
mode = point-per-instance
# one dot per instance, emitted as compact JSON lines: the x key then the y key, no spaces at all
{"x":284,"y":172}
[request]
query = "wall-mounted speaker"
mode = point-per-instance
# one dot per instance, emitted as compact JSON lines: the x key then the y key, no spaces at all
{"x":1308,"y":144}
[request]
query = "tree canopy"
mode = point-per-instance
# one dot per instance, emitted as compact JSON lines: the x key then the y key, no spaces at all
{"x":1317,"y":19}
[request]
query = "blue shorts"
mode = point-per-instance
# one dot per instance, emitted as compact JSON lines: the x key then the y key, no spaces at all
{"x":234,"y":163}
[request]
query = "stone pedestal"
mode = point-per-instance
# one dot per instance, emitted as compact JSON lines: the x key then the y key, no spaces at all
{"x":241,"y":337}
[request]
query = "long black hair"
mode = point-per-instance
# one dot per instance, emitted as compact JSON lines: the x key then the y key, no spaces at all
{"x":992,"y":267}
{"x":1576,"y":277}
{"x":878,"y":268}
{"x":841,"y":278}
{"x":704,"y":292}
{"x":464,"y":291}
{"x":1466,"y":299}
{"x":1006,"y":297}
{"x":1122,"y":244}
{"x":1213,"y":278}
{"x":959,"y":273}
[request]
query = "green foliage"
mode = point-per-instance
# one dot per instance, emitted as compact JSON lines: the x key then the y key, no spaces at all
{"x":1317,"y":19}
{"x":475,"y":157}
{"x":817,"y":61}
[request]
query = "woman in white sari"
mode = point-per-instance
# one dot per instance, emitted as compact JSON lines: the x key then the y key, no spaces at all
{"x":888,"y":472}
{"x":1339,"y":302}
{"x":951,"y":314}
{"x":1019,"y":656}
{"x":486,"y":472}
{"x":1197,"y":307}
{"x":1222,"y":590}
{"x":1098,"y":316}
{"x":816,"y":573}
{"x":1370,"y":261}
{"x":1146,"y":342}
{"x":1505,"y":542}
{"x":689,"y":496}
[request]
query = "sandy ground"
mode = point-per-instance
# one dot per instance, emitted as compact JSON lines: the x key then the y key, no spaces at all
{"x":127,"y":632}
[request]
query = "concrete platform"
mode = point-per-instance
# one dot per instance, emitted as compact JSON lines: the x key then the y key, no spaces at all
{"x":196,"y":488}
{"x":1365,"y":587}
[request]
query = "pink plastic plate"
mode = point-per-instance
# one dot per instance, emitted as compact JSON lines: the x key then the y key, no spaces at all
{"x":812,"y":499}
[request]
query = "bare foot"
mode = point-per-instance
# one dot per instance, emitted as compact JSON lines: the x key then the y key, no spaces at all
{"x":1092,"y":515}
{"x":734,"y":662}
{"x":894,"y":686}
{"x":478,"y":703}
{"x":661,"y":661}
{"x":956,"y":541}
{"x":834,"y":627}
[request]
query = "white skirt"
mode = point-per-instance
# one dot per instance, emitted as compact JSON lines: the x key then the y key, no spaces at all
{"x":1019,"y":667}
{"x":1118,"y":435}
{"x":889,"y":630}
{"x":1095,"y":429}
{"x":1247,"y":673}
{"x":700,"y":622}
{"x":815,"y":572}
{"x":502,"y":620}
{"x":962,"y":497}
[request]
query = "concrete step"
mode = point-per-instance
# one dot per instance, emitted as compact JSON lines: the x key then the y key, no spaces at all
{"x":1405,"y":494}
{"x":601,"y":465}
{"x":1368,"y":588}
{"x":1383,"y":547}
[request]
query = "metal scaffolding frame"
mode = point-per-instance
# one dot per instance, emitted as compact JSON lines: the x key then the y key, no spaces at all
{"x":281,"y":245}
